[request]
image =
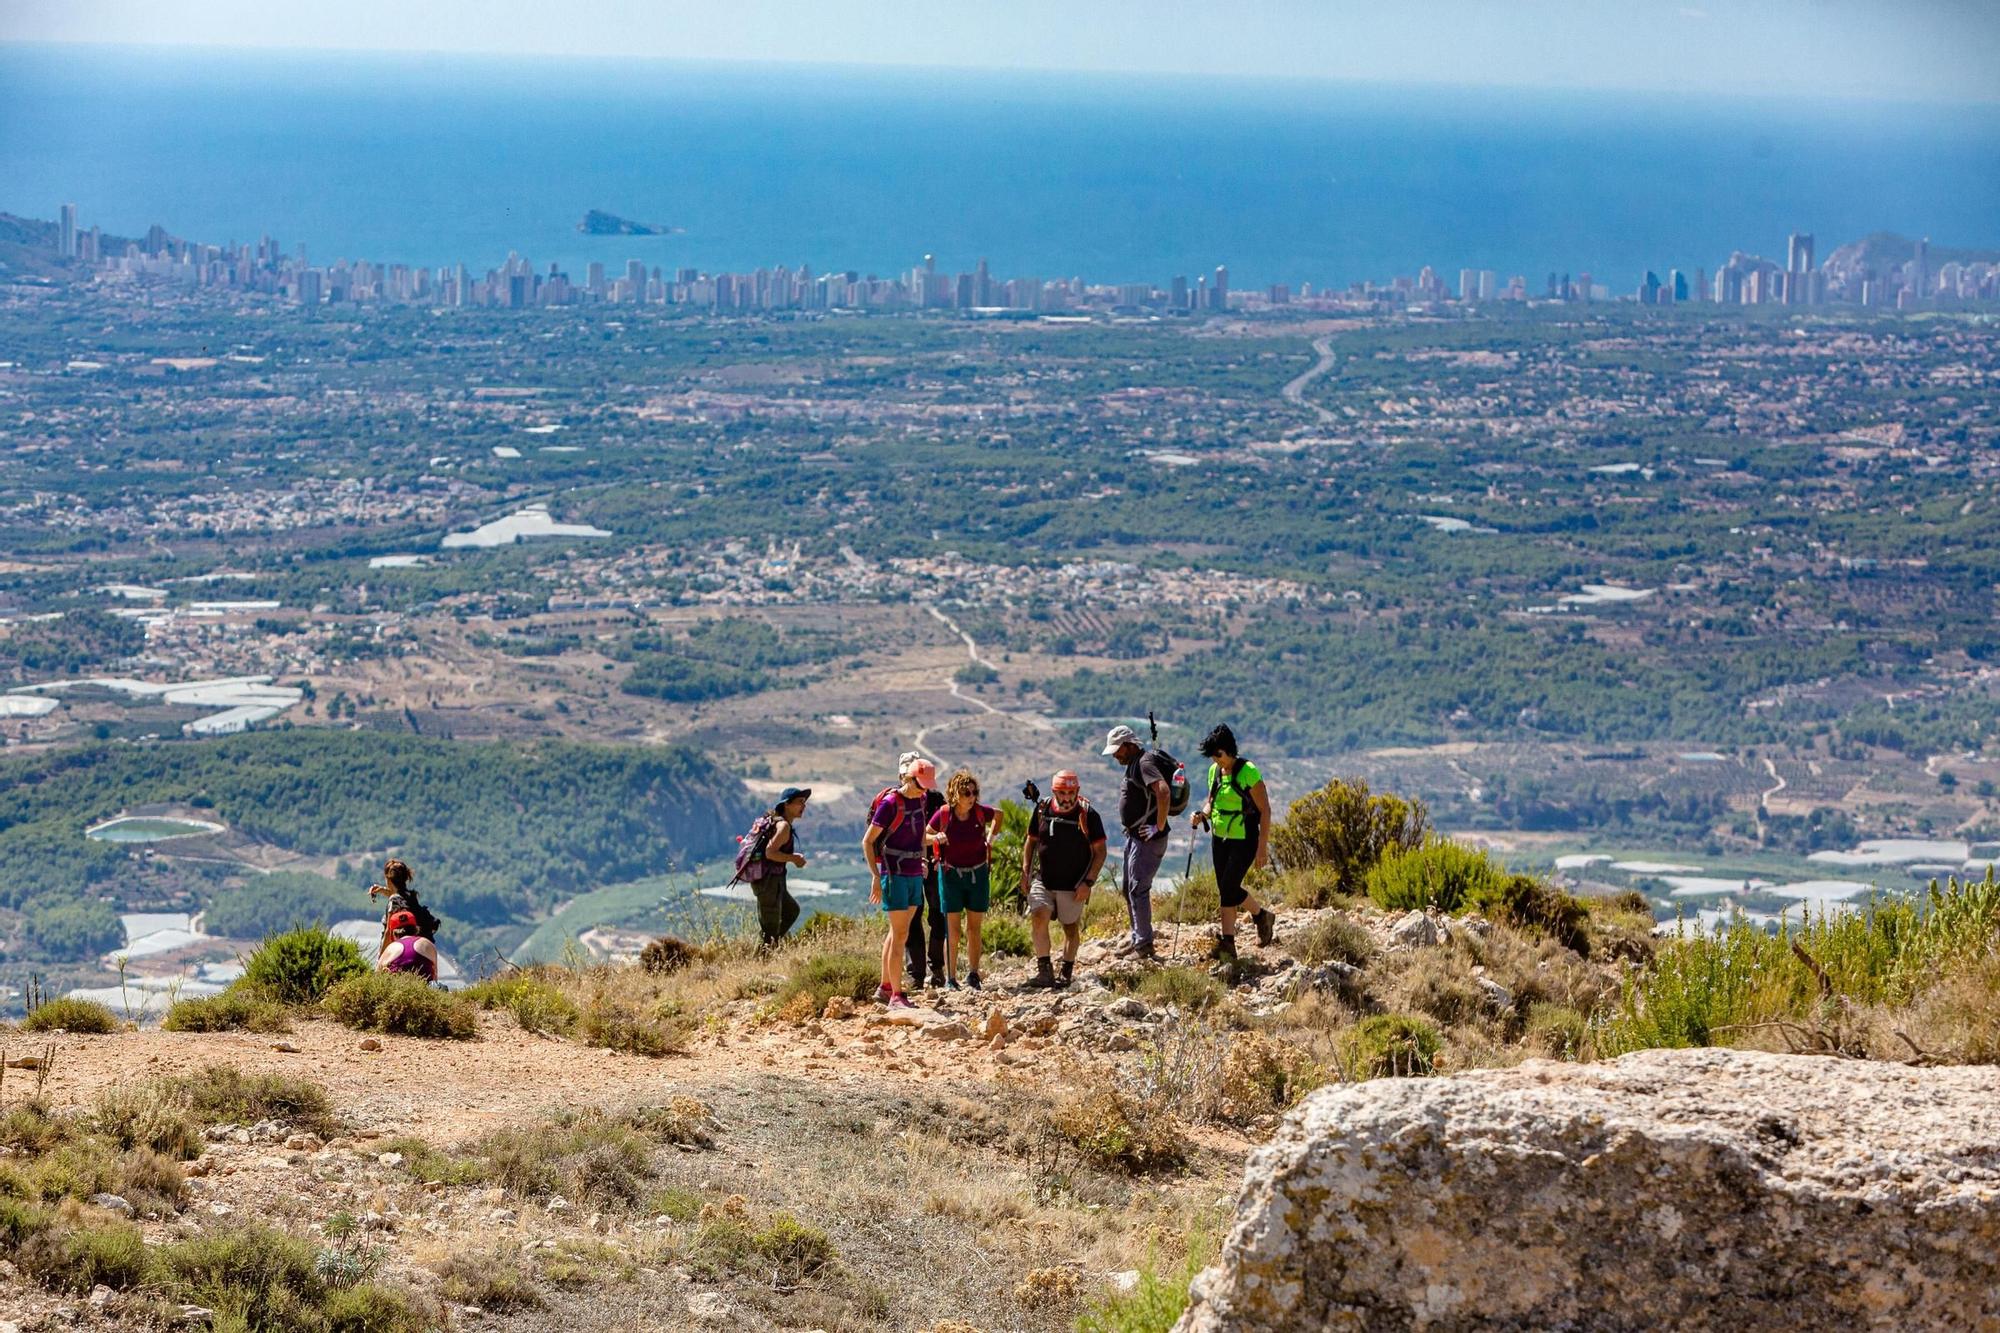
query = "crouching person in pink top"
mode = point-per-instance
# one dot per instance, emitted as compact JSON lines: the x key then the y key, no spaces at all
{"x":407,"y":950}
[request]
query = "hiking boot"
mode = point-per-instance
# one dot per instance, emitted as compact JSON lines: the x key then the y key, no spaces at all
{"x":972,"y":980}
{"x":1267,"y":927}
{"x":1143,"y":953}
{"x":1225,"y":959}
{"x":951,"y":983}
{"x":1068,"y":972}
{"x":1044,"y":978}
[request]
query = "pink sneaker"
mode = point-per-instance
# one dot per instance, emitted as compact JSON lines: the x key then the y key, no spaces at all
{"x":898,"y":1000}
{"x":883,"y":994}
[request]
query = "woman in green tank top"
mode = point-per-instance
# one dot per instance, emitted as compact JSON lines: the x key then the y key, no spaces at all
{"x":1238,"y":816}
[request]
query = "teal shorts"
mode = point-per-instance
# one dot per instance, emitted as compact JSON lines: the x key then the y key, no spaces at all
{"x":966,"y":890}
{"x":900,"y":893}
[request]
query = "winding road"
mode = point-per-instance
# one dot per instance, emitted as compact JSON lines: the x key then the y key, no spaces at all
{"x":1035,"y":721}
{"x":1295,"y":392}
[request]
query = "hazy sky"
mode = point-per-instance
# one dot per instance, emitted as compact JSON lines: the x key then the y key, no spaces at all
{"x":1920,"y":50}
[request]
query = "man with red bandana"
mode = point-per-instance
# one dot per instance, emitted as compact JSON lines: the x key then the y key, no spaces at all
{"x":1059,"y":862}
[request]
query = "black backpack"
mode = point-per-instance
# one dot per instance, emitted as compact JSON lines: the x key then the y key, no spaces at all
{"x":427,"y":921}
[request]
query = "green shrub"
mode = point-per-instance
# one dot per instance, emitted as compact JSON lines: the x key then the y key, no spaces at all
{"x":617,"y":1027}
{"x":1439,"y":874}
{"x":262,"y":1277}
{"x":19,"y":1220}
{"x":1188,"y":988}
{"x":1389,"y":1046}
{"x":826,"y":975}
{"x":150,"y":1115}
{"x":234,"y":1010}
{"x":1005,"y":935}
{"x":67,"y":1014}
{"x":223,"y":1094}
{"x":1155,"y":1305}
{"x":78,"y":1257}
{"x":676,"y":1204}
{"x":301,"y":966}
{"x":1343,"y":828}
{"x":1310,"y":886}
{"x":426,"y":1163}
{"x":537,"y":1005}
{"x":797,"y":1250}
{"x":404,"y":1005}
{"x":370,"y":1307}
{"x":494,"y":1281}
{"x":1557,"y":1031}
{"x":1334,"y":939}
{"x":30,"y":1126}
{"x":1539,"y":908}
{"x":588,"y":1158}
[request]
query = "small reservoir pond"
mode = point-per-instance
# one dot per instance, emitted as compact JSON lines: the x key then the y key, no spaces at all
{"x":149,"y":828}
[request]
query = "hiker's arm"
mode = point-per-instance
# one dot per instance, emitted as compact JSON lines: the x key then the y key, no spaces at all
{"x":1097,"y":851}
{"x":1162,"y":800}
{"x":1029,"y":849}
{"x":1263,"y":824}
{"x":782,"y":836}
{"x":869,"y":841}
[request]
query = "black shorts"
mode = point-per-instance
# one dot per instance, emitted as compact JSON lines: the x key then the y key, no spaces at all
{"x":1233,"y":858}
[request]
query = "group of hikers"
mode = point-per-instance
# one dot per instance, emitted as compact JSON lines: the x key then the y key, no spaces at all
{"x":929,"y":857}
{"x":930,"y":866}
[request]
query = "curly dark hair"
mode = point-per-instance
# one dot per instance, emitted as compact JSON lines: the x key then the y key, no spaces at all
{"x":1221,"y":740}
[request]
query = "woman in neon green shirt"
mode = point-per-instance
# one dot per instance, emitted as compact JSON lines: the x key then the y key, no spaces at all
{"x":1238,"y":815}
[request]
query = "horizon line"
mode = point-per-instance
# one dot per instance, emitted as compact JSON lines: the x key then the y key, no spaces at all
{"x":1233,"y":79}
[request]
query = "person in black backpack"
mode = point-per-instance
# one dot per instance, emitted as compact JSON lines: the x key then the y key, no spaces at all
{"x":1144,"y":805}
{"x":777,"y":910}
{"x":395,"y":886}
{"x":1238,"y":815}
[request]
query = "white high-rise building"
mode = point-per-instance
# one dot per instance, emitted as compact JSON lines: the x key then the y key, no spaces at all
{"x":68,"y":239}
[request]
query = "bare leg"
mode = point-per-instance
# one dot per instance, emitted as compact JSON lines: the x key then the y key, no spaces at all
{"x":892,"y":949}
{"x":1072,"y":940}
{"x":1038,"y":927}
{"x":951,"y":929}
{"x":975,"y":939}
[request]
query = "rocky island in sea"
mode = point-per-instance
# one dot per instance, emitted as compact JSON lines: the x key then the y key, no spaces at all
{"x":599,"y":223}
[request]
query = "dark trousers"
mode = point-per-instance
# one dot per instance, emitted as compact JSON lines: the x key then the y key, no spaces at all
{"x":921,"y":952}
{"x":777,"y":910}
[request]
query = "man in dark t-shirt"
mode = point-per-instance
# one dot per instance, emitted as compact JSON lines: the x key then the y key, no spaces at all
{"x":1060,"y":859}
{"x":1142,"y":814}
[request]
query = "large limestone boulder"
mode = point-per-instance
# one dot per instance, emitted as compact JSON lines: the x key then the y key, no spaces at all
{"x":1666,"y":1189}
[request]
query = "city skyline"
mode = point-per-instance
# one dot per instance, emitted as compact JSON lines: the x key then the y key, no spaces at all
{"x":1743,"y":279}
{"x":1939,"y":51}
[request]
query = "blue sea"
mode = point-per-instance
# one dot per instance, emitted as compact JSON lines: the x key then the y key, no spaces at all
{"x":437,"y":160}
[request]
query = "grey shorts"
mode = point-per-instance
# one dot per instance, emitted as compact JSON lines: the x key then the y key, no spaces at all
{"x":1060,"y":903}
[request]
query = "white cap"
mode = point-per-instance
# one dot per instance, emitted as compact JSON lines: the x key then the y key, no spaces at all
{"x":1120,"y":736}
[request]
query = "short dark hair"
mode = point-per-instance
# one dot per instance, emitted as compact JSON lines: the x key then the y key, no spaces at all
{"x":1219,"y":741}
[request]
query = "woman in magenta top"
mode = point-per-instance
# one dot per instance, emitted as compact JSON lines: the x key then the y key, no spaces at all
{"x":407,"y":951}
{"x":962,"y":835}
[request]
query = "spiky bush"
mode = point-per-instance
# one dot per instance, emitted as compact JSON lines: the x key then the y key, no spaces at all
{"x":301,"y":966}
{"x":66,"y":1014}
{"x":1440,"y":874}
{"x":404,"y":1005}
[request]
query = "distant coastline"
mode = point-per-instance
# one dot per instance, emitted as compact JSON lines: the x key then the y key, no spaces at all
{"x":599,"y":223}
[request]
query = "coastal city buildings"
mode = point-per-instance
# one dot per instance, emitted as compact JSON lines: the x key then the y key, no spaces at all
{"x":1880,"y":271}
